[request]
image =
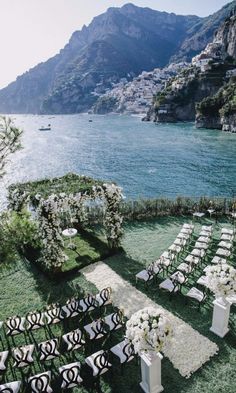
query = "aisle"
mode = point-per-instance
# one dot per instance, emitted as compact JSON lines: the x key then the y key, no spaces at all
{"x":190,"y":350}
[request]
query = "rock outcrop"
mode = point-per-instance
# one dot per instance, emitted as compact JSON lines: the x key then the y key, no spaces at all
{"x":196,"y":89}
{"x":219,"y":110}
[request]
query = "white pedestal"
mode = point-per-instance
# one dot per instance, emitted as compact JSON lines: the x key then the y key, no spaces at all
{"x":151,"y":373}
{"x":220,"y":318}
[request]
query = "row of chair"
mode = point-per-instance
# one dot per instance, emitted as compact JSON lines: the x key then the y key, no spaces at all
{"x":167,"y":258}
{"x":55,"y":313}
{"x":70,"y":374}
{"x":48,"y":350}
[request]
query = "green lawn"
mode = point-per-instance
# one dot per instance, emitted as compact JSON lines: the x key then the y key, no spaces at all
{"x":24,"y":288}
{"x":90,"y":248}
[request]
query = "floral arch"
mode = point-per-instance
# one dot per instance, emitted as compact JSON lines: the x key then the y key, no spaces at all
{"x":53,"y":210}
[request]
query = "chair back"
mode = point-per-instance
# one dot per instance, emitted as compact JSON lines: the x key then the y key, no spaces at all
{"x":40,"y":383}
{"x":128,"y":351}
{"x":101,"y":361}
{"x":70,"y":375}
{"x":105,"y":295}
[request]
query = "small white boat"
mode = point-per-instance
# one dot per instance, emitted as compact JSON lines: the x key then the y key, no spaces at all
{"x":47,"y":128}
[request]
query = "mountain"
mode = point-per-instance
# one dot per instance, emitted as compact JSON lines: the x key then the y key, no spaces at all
{"x":122,"y":42}
{"x":202,"y":85}
{"x":202,"y":33}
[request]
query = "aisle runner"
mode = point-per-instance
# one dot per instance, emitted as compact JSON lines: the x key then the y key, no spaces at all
{"x":190,"y":350}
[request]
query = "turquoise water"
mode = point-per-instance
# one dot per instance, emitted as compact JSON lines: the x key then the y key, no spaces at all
{"x":147,"y":160}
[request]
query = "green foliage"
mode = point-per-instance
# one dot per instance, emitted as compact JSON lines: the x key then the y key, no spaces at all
{"x":70,"y":183}
{"x":223,"y":103}
{"x":18,"y":232}
{"x":9,"y":141}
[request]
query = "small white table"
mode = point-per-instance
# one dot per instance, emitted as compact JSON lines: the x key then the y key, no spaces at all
{"x":69,"y":232}
{"x":211,"y":211}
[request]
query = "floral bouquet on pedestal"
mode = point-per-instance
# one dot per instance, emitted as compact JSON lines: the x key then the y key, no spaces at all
{"x":221,"y":280}
{"x":149,"y":330}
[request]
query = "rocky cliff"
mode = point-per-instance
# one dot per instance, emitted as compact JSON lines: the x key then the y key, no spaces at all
{"x":119,"y":43}
{"x":219,"y":111}
{"x":204,"y":78}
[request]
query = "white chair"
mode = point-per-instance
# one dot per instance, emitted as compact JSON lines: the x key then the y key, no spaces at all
{"x":23,"y":356}
{"x":207,"y":228}
{"x":226,"y":245}
{"x":175,"y":249}
{"x":53,"y":314}
{"x":216,"y":260}
{"x":88,"y":303}
{"x":201,"y":246}
{"x":182,"y":235}
{"x":145,"y":275}
{"x":40,"y":383}
{"x":48,"y":349}
{"x":197,"y":252}
{"x":204,"y":239}
{"x":114,"y":321}
{"x":188,"y":226}
{"x":197,"y":295}
{"x":226,"y":231}
{"x":15,"y":325}
{"x":227,"y":237}
{"x":3,"y":359}
{"x":179,"y":277}
{"x":180,"y":242}
{"x":124,"y":351}
{"x":96,"y":329}
{"x":99,"y":363}
{"x":192,"y":259}
{"x":185,"y":267}
{"x":11,"y":387}
{"x":72,"y":308}
{"x":70,"y":375}
{"x":35,"y":320}
{"x":222,"y":252}
{"x":73,"y":340}
{"x":169,"y":286}
{"x":204,"y":233}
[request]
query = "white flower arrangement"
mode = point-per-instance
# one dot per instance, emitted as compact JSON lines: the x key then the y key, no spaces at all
{"x":149,"y":330}
{"x":221,"y":280}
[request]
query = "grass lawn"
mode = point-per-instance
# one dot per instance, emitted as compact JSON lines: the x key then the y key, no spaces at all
{"x":89,"y":248}
{"x":24,"y":289}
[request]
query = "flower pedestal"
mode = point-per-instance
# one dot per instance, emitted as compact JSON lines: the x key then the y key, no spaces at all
{"x":151,"y":373}
{"x":220,"y":318}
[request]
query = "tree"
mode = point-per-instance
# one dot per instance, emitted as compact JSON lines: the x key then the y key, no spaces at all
{"x":9,"y":141}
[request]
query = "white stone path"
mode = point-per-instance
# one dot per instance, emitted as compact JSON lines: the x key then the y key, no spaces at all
{"x":190,"y":350}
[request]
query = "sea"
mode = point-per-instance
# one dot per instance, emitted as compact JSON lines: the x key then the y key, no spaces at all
{"x":147,"y":160}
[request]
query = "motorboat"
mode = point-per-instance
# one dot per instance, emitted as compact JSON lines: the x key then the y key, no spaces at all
{"x":47,"y":128}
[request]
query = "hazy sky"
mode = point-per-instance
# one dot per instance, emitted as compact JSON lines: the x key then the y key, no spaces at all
{"x":31,"y":31}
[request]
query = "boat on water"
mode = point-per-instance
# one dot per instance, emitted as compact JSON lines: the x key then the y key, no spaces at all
{"x":47,"y":128}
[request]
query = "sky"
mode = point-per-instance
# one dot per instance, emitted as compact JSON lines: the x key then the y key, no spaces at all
{"x":31,"y":31}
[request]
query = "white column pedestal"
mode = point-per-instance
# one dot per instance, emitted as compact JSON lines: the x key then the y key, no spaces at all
{"x":220,"y":318}
{"x":151,"y":373}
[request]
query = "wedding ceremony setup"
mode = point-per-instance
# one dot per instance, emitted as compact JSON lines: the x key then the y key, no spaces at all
{"x":118,"y":196}
{"x":102,"y":316}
